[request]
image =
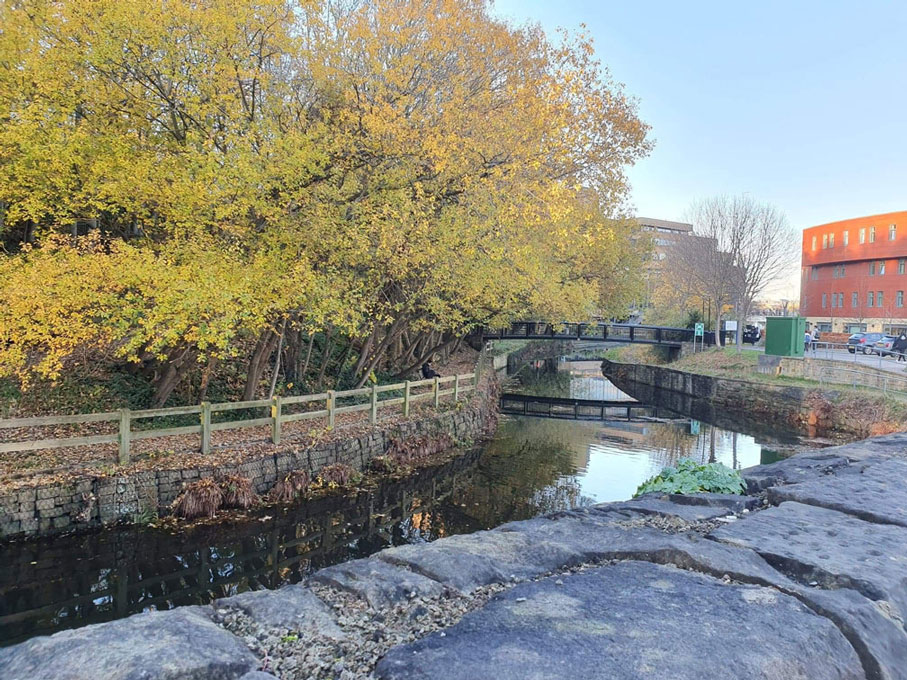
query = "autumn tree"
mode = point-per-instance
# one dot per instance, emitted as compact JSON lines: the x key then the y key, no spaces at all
{"x":380,"y":176}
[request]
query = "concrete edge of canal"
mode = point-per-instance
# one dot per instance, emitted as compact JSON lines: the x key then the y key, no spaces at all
{"x":802,"y":578}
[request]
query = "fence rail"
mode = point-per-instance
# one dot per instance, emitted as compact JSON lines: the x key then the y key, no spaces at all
{"x":276,"y":418}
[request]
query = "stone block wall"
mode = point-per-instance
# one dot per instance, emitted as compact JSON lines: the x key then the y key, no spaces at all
{"x":743,"y":405}
{"x":93,"y":502}
{"x":843,"y":373}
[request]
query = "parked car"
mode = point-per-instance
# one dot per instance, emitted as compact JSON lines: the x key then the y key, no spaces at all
{"x":883,"y":345}
{"x":752,"y":334}
{"x":863,"y":342}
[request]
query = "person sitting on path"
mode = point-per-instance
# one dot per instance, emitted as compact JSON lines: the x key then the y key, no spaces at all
{"x":429,"y":372}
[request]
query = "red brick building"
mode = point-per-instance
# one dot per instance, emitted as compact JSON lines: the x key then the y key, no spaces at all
{"x":854,"y":274}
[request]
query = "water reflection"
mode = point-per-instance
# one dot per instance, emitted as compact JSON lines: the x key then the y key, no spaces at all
{"x":532,"y":466}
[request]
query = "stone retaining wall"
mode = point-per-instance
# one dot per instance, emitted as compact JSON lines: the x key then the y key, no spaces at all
{"x":93,"y":501}
{"x":842,"y":373}
{"x":748,"y":405}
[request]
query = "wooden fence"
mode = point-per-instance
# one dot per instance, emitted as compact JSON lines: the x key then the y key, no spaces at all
{"x":276,"y":417}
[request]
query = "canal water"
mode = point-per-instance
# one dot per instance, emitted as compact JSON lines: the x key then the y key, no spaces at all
{"x":534,"y":465}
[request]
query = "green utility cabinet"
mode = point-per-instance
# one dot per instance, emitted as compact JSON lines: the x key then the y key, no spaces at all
{"x":784,"y":335}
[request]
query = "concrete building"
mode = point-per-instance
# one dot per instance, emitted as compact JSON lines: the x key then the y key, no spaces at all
{"x":854,"y":274}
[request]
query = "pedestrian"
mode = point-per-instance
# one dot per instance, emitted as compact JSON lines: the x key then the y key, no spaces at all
{"x":815,"y":338}
{"x":807,"y":341}
{"x":429,"y":372}
{"x":900,"y":346}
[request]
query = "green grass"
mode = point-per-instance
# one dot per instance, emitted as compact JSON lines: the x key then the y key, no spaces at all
{"x":499,"y":347}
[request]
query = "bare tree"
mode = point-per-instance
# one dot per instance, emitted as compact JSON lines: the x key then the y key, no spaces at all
{"x":738,"y":247}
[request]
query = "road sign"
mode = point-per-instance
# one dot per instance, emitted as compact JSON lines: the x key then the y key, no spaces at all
{"x":699,"y":330}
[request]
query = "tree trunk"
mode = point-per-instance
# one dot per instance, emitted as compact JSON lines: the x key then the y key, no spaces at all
{"x":392,"y":332}
{"x":308,"y":357}
{"x":326,"y":355}
{"x":365,"y":351}
{"x":425,"y":356}
{"x":257,"y":363}
{"x":175,"y":369}
{"x":206,"y":379}
{"x":283,"y":328}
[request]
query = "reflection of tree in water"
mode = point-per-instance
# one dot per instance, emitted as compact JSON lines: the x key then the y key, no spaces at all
{"x":529,"y":469}
{"x":670,"y":442}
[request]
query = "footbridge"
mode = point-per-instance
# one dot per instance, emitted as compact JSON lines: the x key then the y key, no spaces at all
{"x":666,"y":336}
{"x":576,"y":409}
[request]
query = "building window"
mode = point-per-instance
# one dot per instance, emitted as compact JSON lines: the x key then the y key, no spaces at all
{"x":814,"y":242}
{"x":862,"y":237}
{"x":899,"y":299}
{"x":825,"y":240}
{"x":831,"y":240}
{"x":854,"y":300}
{"x":879,"y":299}
{"x":824,"y":300}
{"x":870,"y":296}
{"x":872,"y":268}
{"x":815,"y":273}
{"x":841,"y":300}
{"x":846,"y":237}
{"x":892,"y":231}
{"x":901,"y":263}
{"x":881,"y":267}
{"x":843,"y":270}
{"x":834,"y":300}
{"x":872,"y":234}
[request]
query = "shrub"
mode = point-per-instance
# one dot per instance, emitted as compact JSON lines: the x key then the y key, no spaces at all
{"x":199,"y":499}
{"x":338,"y":474}
{"x":383,"y":465}
{"x":412,"y":450}
{"x":290,"y":486}
{"x":238,"y":492}
{"x":691,"y":477}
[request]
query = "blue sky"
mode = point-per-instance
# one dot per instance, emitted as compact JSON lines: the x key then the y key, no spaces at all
{"x":800,"y":103}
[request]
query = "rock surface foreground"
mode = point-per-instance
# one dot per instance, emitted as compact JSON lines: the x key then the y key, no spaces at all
{"x":705,"y":586}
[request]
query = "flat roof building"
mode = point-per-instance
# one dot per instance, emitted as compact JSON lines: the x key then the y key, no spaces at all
{"x":854,"y":274}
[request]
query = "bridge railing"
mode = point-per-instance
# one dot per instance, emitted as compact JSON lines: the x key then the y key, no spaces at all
{"x":612,"y":332}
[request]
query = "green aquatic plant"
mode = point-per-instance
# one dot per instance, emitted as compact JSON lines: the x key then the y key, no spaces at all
{"x":692,"y":477}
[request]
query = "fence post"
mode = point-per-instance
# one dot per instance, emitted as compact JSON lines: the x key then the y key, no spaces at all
{"x":437,"y":388}
{"x":123,"y":458}
{"x":457,"y":388}
{"x":331,"y":405}
{"x":373,"y":412}
{"x":406,"y":399}
{"x":276,"y":412}
{"x":206,"y":427}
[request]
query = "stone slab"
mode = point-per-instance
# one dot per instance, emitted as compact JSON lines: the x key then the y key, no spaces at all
{"x":377,"y":582}
{"x":632,"y":620}
{"x":293,"y":607}
{"x":829,"y":548}
{"x":799,"y":468}
{"x":662,"y":507}
{"x":730,"y":501}
{"x":874,"y":490}
{"x":179,"y":644}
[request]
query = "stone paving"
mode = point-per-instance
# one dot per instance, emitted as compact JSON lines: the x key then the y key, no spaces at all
{"x":806,"y":577}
